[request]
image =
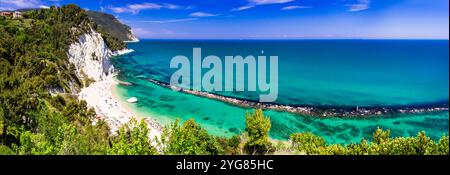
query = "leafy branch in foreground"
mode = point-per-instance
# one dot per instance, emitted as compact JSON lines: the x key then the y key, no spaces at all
{"x":382,"y":144}
{"x":189,"y":139}
{"x":257,"y":128}
{"x":132,"y":139}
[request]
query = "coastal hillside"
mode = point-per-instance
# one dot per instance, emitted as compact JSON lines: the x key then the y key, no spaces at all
{"x":106,"y":22}
{"x":112,"y":26}
{"x":46,"y":57}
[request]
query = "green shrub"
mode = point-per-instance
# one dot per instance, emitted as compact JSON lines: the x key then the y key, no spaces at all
{"x":188,"y":139}
{"x":382,"y":144}
{"x":307,"y":142}
{"x":257,"y":128}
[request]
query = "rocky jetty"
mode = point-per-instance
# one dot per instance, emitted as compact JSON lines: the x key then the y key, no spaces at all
{"x":317,"y":111}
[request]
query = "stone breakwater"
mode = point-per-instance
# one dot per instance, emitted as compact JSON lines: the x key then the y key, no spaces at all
{"x":318,"y":111}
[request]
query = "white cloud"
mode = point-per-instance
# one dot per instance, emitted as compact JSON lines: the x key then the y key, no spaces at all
{"x":171,"y":6}
{"x":361,"y":5}
{"x":21,"y":3}
{"x":18,"y":4}
{"x":170,"y":20}
{"x":141,"y":31}
{"x":243,"y":8}
{"x":144,"y":6}
{"x":5,"y":9}
{"x":118,"y":9}
{"x":136,"y":8}
{"x":261,"y":2}
{"x":168,"y":32}
{"x":293,"y":7}
{"x":190,"y":7}
{"x":254,"y":3}
{"x":201,"y":14}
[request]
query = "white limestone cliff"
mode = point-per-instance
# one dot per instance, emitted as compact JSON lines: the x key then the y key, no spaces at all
{"x":91,"y":56}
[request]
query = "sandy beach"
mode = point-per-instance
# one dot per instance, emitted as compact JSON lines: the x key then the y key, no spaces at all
{"x":99,"y":95}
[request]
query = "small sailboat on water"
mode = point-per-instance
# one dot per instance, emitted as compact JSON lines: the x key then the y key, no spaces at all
{"x":132,"y":100}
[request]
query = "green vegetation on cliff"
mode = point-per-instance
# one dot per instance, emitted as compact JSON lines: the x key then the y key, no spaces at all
{"x":111,"y":25}
{"x":33,"y":61}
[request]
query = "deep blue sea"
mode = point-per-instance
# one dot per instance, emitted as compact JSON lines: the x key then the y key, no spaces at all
{"x":311,"y":72}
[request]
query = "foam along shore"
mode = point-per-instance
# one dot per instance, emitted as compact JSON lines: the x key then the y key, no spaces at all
{"x":122,"y":52}
{"x":318,"y":111}
{"x":99,"y":95}
{"x":132,"y":41}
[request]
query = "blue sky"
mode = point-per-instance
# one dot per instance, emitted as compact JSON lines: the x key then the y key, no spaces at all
{"x":271,"y":19}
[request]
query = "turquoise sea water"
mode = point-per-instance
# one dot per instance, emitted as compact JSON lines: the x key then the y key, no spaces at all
{"x":311,"y":72}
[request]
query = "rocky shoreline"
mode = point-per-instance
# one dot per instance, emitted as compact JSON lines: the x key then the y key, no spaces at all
{"x":318,"y":111}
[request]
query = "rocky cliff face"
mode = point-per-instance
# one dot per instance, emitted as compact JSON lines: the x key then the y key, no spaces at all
{"x":132,"y":37}
{"x":91,"y":56}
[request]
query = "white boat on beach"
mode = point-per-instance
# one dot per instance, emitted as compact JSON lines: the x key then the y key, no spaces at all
{"x":132,"y":100}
